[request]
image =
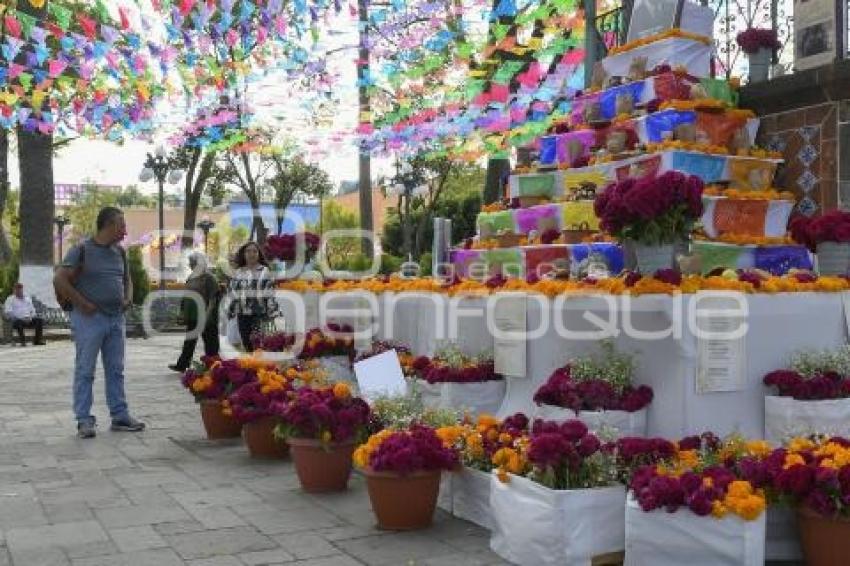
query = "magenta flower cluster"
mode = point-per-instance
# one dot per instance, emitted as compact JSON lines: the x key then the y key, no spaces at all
{"x":285,"y":247}
{"x":633,"y":451}
{"x":311,"y":413}
{"x":654,"y":491}
{"x":828,"y":385}
{"x":752,"y":39}
{"x":560,"y":390}
{"x":249,"y":403}
{"x":433,"y":371}
{"x":413,"y":450}
{"x":226,"y":378}
{"x":834,"y":226}
{"x":824,"y":489}
{"x":652,"y":210}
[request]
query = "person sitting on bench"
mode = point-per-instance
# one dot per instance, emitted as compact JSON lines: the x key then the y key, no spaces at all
{"x":20,"y":310}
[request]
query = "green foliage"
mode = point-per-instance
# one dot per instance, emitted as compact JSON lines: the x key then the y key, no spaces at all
{"x":83,"y":212}
{"x":138,"y":275}
{"x":390,"y":264}
{"x":133,"y":197}
{"x":460,"y":201}
{"x":425,"y":264}
{"x":8,"y":277}
{"x":608,"y":365}
{"x":341,"y":252}
{"x":293,"y":178}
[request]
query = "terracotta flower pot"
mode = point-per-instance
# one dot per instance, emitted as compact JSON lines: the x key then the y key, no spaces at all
{"x":403,"y":503}
{"x":217,"y":424}
{"x":259,"y":438}
{"x":321,"y":467}
{"x":825,"y":541}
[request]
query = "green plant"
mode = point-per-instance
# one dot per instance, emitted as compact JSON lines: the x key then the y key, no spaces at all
{"x":390,"y":264}
{"x":138,"y":275}
{"x":401,"y":412}
{"x":8,"y":277}
{"x":608,"y":365}
{"x":425,"y":267}
{"x":818,"y":362}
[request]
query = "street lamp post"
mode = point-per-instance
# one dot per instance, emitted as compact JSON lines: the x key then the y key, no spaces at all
{"x":158,"y":167}
{"x":61,"y":221}
{"x":206,"y":225}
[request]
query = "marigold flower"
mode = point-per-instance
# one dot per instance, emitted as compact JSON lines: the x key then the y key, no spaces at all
{"x":342,"y":390}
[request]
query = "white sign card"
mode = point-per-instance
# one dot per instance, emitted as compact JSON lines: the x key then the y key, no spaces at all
{"x":650,"y":17}
{"x":510,"y":352}
{"x":380,"y":376}
{"x":721,"y":361}
{"x":814,"y":33}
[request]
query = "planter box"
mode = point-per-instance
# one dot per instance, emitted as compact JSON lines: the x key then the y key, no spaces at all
{"x":470,"y":496}
{"x":537,"y":526}
{"x":673,"y":539}
{"x":476,"y":398}
{"x":625,"y":424}
{"x":338,"y":367}
{"x":784,"y":417}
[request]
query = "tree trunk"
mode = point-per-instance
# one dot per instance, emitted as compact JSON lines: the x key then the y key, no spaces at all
{"x":193,"y":197}
{"x":365,"y":163}
{"x":187,"y":240}
{"x":35,"y":157}
{"x":407,"y":227}
{"x":5,"y":246}
{"x":497,"y":171}
{"x":258,"y":228}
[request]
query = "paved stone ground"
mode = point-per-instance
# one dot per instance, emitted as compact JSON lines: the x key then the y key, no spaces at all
{"x":168,"y":496}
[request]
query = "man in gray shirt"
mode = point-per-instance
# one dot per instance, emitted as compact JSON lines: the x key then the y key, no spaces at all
{"x":95,"y":278}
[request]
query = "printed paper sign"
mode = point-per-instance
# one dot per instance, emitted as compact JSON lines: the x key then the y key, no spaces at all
{"x":380,"y":376}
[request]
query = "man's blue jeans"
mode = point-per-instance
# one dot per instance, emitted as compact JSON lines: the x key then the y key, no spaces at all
{"x":98,"y":334}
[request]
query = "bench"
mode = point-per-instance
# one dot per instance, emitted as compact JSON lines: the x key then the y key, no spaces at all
{"x":54,"y":319}
{"x":57,"y":319}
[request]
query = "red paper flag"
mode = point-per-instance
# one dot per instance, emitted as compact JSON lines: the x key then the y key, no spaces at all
{"x":13,"y":26}
{"x":89,"y":26}
{"x":125,"y":18}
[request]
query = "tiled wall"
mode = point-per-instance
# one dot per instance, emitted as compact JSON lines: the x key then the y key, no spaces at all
{"x":809,"y":139}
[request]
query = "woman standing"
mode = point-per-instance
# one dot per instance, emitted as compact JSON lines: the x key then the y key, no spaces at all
{"x":203,"y":282}
{"x":250,"y":290}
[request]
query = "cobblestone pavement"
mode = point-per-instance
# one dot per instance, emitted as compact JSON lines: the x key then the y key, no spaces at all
{"x":168,"y":496}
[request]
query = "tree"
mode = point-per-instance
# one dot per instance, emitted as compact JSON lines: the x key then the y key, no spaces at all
{"x":248,"y":169}
{"x":295,"y":177}
{"x":460,"y":200}
{"x":340,"y":250}
{"x":132,"y":196}
{"x":440,"y":176}
{"x":83,"y":212}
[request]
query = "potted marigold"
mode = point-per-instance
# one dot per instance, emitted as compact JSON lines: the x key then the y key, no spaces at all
{"x":813,"y":476}
{"x":812,"y":396}
{"x":452,"y":379}
{"x":402,"y":469}
{"x":211,"y":382}
{"x":828,"y":236}
{"x":477,"y":443}
{"x":322,"y":427}
{"x":333,"y":348}
{"x":251,"y":405}
{"x":598,"y":391}
{"x":556,"y":498}
{"x":651,"y":215}
{"x":705,"y":505}
{"x":759,"y":45}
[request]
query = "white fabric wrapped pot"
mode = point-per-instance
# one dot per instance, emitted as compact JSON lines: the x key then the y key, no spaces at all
{"x":537,"y":526}
{"x":620,"y":422}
